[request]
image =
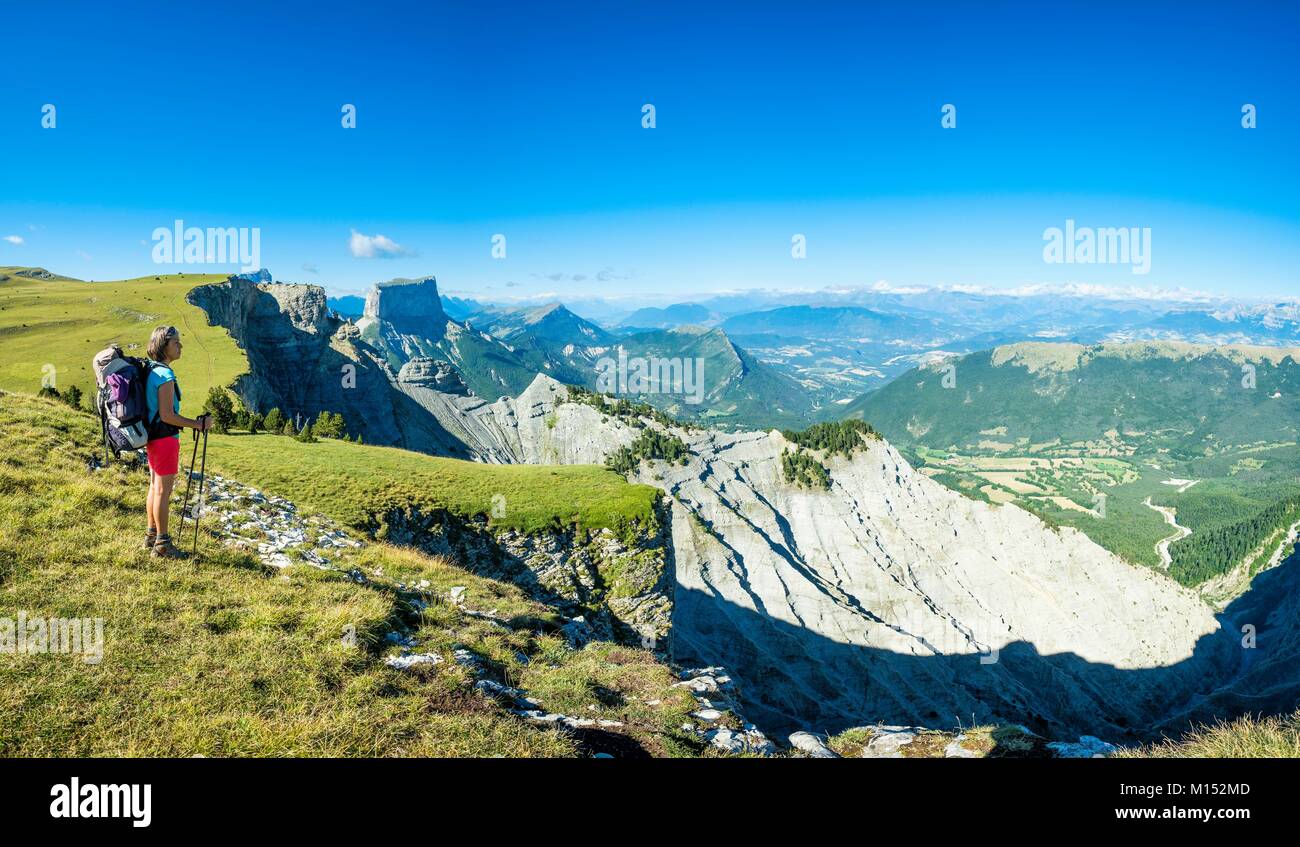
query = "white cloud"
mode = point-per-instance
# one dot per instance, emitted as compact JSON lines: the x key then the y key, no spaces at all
{"x":604,"y":275}
{"x":375,"y":247}
{"x":14,"y":239}
{"x":310,"y":268}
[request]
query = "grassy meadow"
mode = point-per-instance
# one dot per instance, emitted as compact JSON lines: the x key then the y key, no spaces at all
{"x":351,"y":482}
{"x":63,"y":323}
{"x":222,"y":656}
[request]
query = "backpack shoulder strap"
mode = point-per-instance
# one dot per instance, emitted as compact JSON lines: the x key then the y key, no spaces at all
{"x":103,"y":430}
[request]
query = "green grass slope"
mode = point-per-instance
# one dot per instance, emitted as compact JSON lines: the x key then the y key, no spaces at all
{"x":221,"y":656}
{"x":62,"y":323}
{"x":353,"y":482}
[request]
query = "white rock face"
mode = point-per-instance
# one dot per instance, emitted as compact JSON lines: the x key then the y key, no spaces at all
{"x":891,"y":598}
{"x":526,"y":429}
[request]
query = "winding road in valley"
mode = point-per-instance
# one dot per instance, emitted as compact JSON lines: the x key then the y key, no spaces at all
{"x":1162,"y":546}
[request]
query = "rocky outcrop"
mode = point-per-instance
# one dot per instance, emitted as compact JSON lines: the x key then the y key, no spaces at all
{"x":30,"y":273}
{"x":621,"y":587}
{"x":433,"y":374}
{"x":538,"y":427}
{"x":299,"y":359}
{"x":403,"y":320}
{"x":411,"y":307}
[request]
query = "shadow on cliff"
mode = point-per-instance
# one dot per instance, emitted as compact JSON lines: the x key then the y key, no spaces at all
{"x":793,"y":678}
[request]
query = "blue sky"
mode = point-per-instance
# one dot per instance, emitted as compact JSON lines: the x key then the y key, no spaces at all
{"x":772,"y":119}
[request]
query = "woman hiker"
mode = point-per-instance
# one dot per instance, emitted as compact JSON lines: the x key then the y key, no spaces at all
{"x":163,"y":396}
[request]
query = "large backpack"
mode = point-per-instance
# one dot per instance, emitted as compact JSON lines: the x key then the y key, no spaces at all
{"x":121,"y":401}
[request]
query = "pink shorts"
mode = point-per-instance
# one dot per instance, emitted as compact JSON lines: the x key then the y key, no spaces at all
{"x":164,"y":455}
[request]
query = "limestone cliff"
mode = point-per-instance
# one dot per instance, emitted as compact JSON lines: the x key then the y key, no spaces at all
{"x":304,"y":360}
{"x":891,"y":598}
{"x":301,"y":359}
{"x":411,"y":307}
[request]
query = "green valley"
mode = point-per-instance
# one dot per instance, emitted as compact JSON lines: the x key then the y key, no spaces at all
{"x":1102,"y":438}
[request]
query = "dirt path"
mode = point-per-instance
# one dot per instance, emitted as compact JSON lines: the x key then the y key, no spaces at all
{"x":191,"y":335}
{"x":1162,"y":546}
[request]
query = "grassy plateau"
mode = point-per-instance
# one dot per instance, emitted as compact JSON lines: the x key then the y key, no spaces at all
{"x":351,"y":482}
{"x":61,"y":323}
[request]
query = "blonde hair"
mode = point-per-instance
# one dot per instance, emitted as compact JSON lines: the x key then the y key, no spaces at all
{"x":158,"y":342}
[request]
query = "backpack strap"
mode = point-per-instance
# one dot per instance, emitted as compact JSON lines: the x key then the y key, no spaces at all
{"x":103,"y":429}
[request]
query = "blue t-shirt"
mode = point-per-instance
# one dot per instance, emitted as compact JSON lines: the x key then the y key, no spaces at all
{"x":159,"y":376}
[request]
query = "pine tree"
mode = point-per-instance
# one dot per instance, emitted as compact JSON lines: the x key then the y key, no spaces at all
{"x":329,"y":425}
{"x":221,"y":409}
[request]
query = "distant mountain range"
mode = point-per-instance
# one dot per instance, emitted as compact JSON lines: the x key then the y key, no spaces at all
{"x":817,"y":352}
{"x":737,"y":389}
{"x":498,"y":350}
{"x":678,"y":314}
{"x":1169,"y":398}
{"x":841,"y":343}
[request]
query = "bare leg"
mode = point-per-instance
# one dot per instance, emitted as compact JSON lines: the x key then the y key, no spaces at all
{"x":148,"y":503}
{"x":161,"y":497}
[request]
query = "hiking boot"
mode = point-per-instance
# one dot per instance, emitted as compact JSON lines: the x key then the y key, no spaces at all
{"x":163,"y":548}
{"x":149,"y":538}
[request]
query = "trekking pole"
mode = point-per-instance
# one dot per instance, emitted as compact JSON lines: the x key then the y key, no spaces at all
{"x":203,"y":476}
{"x":189,"y":480}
